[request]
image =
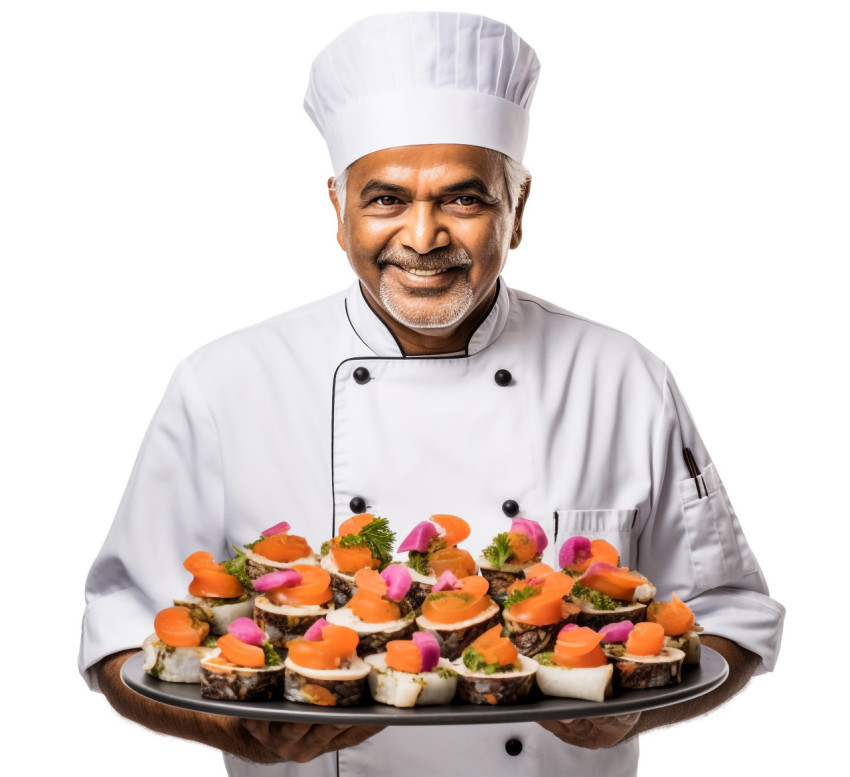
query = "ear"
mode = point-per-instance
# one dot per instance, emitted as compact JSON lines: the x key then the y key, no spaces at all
{"x":516,"y":236}
{"x":340,"y":232}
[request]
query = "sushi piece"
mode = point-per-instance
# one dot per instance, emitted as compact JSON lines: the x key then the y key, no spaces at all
{"x":363,"y":542}
{"x":276,"y":549}
{"x":245,"y":667}
{"x":492,"y":672}
{"x":643,"y":661}
{"x":535,"y":611}
{"x":221,"y":595}
{"x":180,"y":640}
{"x":291,"y":601}
{"x":459,"y":614}
{"x":511,"y":552}
{"x":577,"y":668}
{"x":411,"y":673}
{"x":378,"y":611}
{"x":432,"y":549}
{"x":323,"y":668}
{"x":680,"y":629}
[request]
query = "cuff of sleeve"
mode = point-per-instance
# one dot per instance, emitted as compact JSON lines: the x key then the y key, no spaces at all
{"x":111,"y":623}
{"x":751,"y":619}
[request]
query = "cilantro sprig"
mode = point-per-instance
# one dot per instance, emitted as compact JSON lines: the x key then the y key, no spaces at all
{"x":499,"y":552}
{"x":520,"y":595}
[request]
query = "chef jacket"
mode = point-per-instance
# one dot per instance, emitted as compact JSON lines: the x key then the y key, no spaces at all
{"x":317,"y":414}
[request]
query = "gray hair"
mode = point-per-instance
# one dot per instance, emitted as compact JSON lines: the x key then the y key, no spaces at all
{"x":513,"y":173}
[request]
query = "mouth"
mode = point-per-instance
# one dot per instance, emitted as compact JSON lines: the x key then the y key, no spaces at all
{"x":426,"y":273}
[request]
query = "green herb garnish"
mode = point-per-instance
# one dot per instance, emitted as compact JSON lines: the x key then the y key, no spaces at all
{"x":474,"y":661}
{"x":420,"y":561}
{"x":520,"y":595}
{"x":545,"y":659}
{"x":236,"y":567}
{"x":377,"y":536}
{"x":326,"y":548}
{"x":445,"y":672}
{"x":599,"y":600}
{"x":210,"y":641}
{"x":499,"y":552}
{"x":272,"y":658}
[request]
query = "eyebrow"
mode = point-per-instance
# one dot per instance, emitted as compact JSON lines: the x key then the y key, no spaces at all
{"x":474,"y":184}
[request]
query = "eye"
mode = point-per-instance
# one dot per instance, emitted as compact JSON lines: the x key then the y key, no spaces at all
{"x":386,"y":200}
{"x":467,"y":200}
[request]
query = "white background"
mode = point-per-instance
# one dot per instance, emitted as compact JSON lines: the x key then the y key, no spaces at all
{"x":161,"y":186}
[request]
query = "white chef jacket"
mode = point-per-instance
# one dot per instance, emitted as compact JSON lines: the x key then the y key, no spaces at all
{"x":295,"y":417}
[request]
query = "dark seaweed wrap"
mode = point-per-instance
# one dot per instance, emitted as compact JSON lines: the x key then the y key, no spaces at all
{"x":342,"y":588}
{"x":531,"y":640}
{"x":454,"y":641}
{"x":325,"y":692}
{"x":499,"y":582}
{"x":282,"y":628}
{"x":599,"y":618}
{"x":495,"y":690}
{"x":243,"y":684}
{"x":638,"y":675}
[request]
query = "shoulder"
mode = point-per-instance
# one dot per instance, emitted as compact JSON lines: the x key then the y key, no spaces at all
{"x":584,"y":341}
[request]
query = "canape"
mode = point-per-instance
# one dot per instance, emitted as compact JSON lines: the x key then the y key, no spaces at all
{"x":292,"y":600}
{"x":680,"y":629}
{"x":245,"y":667}
{"x":276,"y":549}
{"x":363,"y":542}
{"x":578,"y":553}
{"x":323,"y":667}
{"x":535,"y":611}
{"x":180,"y":640}
{"x":511,"y":552}
{"x":432,"y":549}
{"x":458,"y":612}
{"x":577,"y":668}
{"x":378,"y":611}
{"x":412,"y":673}
{"x":490,"y":671}
{"x":643,"y":661}
{"x":607,"y":594}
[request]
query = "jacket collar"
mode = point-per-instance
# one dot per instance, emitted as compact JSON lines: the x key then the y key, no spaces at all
{"x":380,"y":340}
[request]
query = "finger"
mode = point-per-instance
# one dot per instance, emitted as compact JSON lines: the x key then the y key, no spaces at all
{"x":354,"y":736}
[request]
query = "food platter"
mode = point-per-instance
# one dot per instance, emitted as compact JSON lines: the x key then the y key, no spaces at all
{"x":696,"y":681}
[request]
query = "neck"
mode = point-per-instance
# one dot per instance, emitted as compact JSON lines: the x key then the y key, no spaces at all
{"x":425,"y":342}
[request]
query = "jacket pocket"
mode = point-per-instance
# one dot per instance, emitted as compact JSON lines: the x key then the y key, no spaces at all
{"x":719,"y":553}
{"x":615,"y":526}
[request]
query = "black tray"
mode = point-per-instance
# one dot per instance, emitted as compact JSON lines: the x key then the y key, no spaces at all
{"x":696,"y":681}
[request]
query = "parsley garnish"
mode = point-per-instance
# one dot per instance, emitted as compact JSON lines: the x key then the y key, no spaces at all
{"x":377,"y":536}
{"x":474,"y":661}
{"x":599,"y":600}
{"x":500,"y":551}
{"x":272,"y":658}
{"x":520,"y":595}
{"x":236,"y":567}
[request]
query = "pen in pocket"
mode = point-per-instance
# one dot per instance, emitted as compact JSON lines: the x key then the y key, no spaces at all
{"x":693,"y":469}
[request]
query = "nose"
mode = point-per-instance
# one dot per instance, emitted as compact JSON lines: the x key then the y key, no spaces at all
{"x":423,"y":229}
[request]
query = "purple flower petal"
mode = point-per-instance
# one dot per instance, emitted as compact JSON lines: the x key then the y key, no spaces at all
{"x":286,"y":578}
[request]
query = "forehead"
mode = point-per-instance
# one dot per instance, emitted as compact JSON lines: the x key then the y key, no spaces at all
{"x":429,"y":165}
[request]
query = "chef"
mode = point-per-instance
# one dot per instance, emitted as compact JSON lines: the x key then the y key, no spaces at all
{"x":428,"y":386}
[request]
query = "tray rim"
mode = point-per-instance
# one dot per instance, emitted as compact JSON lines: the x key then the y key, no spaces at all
{"x":696,"y":681}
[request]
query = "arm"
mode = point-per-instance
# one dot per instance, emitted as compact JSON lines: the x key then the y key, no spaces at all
{"x":593,"y":733}
{"x":255,"y":740}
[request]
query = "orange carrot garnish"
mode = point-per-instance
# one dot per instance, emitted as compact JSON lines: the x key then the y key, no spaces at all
{"x":240,"y":653}
{"x":675,"y":617}
{"x":354,"y":524}
{"x":457,"y":561}
{"x":373,"y":609}
{"x":314,"y":588}
{"x":611,"y":580}
{"x":579,"y":648}
{"x":404,"y":655}
{"x":457,"y":530}
{"x":176,"y":627}
{"x":283,"y":548}
{"x":494,"y":648}
{"x":524,"y":547}
{"x":645,"y":639}
{"x":349,"y":560}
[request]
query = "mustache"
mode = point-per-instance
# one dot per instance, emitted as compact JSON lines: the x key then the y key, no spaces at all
{"x":438,"y":259}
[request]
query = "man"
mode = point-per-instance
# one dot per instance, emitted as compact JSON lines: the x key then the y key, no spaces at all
{"x":428,"y":387}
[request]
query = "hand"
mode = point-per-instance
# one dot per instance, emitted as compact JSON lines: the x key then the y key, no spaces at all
{"x":302,"y":742}
{"x":593,"y":733}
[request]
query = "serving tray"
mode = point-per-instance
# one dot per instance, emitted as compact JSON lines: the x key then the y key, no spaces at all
{"x":696,"y":681}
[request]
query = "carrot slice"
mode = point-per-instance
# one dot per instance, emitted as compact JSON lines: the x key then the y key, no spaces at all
{"x":283,"y":548}
{"x":459,"y":562}
{"x":494,"y":648}
{"x":337,"y":642}
{"x":524,"y":548}
{"x":675,"y":617}
{"x":600,"y":550}
{"x":202,"y":560}
{"x":544,"y":609}
{"x":354,"y":524}
{"x":537,"y":570}
{"x":645,"y":639}
{"x":579,"y":648}
{"x":215,"y":585}
{"x":349,"y":560}
{"x":611,"y":580}
{"x":370,"y":581}
{"x":314,"y":588}
{"x":241,"y":653}
{"x":373,"y":609}
{"x":457,"y":530}
{"x":557,"y":584}
{"x":175,"y":626}
{"x":404,"y":656}
{"x":453,"y":606}
{"x":474,"y":585}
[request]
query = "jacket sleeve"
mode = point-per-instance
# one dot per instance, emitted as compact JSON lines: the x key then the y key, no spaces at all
{"x":692,"y":543}
{"x":173,"y":505}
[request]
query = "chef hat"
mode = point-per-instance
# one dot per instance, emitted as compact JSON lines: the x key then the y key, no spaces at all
{"x":407,"y":79}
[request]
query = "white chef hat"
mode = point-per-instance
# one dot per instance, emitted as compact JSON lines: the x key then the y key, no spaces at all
{"x":409,"y":79}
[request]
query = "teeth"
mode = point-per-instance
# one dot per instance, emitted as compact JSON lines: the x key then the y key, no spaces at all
{"x":426,"y":272}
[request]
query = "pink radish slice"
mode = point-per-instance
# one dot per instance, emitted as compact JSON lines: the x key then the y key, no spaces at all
{"x":278,"y":528}
{"x":446,"y":581}
{"x":286,"y":578}
{"x":398,"y":580}
{"x":429,"y":648}
{"x":245,"y":630}
{"x":314,"y":633}
{"x":568,"y":627}
{"x":597,"y":568}
{"x":419,"y":538}
{"x":533,"y":530}
{"x":573,"y":550}
{"x":616,"y":632}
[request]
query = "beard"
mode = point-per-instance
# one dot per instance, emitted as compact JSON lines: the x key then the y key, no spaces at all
{"x":424,"y":308}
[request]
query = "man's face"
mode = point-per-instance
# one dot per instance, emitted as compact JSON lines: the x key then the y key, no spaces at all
{"x":427,"y":230}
